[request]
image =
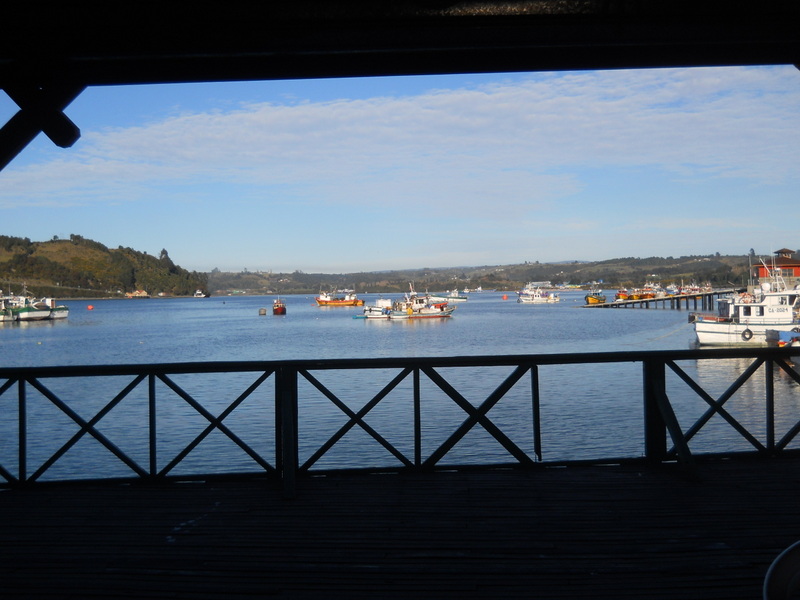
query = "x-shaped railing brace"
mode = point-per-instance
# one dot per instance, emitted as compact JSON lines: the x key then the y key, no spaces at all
{"x":40,"y":112}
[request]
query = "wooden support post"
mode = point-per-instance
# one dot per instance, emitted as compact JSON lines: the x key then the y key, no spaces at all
{"x":286,"y":434}
{"x":22,"y":433}
{"x":151,"y":419}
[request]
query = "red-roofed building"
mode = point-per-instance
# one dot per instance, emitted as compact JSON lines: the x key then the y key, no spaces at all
{"x":786,"y":264}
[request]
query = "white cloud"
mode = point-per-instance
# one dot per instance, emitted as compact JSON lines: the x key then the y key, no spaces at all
{"x":516,"y":150}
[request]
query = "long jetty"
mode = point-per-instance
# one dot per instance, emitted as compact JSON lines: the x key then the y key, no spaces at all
{"x":665,"y":522}
{"x":694,"y":301}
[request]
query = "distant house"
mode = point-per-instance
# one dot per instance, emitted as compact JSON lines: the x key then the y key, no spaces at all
{"x":785,"y":263}
{"x":137,"y":294}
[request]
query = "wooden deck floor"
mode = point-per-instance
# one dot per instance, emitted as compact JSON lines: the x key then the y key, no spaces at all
{"x":577,"y":532}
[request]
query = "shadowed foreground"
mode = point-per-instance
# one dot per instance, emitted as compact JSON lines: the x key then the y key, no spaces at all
{"x":600,"y":532}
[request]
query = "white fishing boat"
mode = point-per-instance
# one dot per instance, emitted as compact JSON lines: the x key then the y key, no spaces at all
{"x":743,"y":319}
{"x":414,"y":306}
{"x":382,"y":309}
{"x":6,"y":314}
{"x":57,"y":311}
{"x":533,"y":294}
{"x":28,"y":309}
{"x":449,"y":296}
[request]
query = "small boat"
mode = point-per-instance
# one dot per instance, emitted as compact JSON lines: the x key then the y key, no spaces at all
{"x":6,"y":314}
{"x":533,"y":294}
{"x":743,"y":319}
{"x":57,"y":311}
{"x":595,"y":296}
{"x":449,"y":296}
{"x":28,"y":309}
{"x":278,"y":307}
{"x":621,"y":295}
{"x":348,"y":299}
{"x":200,"y":294}
{"x":414,"y":306}
{"x":382,"y":309}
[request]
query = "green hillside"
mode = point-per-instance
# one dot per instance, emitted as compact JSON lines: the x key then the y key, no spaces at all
{"x":79,"y":267}
{"x":719,"y":271}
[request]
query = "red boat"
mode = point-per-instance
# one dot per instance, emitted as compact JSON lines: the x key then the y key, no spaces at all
{"x":278,"y":307}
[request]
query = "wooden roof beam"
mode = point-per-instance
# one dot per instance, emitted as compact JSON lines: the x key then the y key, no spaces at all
{"x":40,"y":111}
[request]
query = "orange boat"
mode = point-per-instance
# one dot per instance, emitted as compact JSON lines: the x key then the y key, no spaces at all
{"x":349,"y":299}
{"x":278,"y":307}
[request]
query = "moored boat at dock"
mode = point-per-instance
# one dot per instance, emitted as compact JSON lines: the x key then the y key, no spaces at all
{"x":743,"y":319}
{"x":595,"y":296}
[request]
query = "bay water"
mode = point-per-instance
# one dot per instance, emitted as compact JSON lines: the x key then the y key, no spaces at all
{"x":588,"y":411}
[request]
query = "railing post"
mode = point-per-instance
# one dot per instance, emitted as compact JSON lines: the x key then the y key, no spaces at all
{"x":151,"y":400}
{"x":286,"y":424}
{"x":770,"y":405}
{"x":536,"y":409}
{"x":417,"y":421}
{"x":22,"y":432}
{"x":655,"y":428}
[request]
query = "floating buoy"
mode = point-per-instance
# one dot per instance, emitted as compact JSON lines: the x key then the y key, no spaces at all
{"x":262,"y":311}
{"x":505,"y":297}
{"x":90,"y":307}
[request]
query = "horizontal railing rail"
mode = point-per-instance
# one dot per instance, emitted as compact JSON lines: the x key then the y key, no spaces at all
{"x":280,"y":439}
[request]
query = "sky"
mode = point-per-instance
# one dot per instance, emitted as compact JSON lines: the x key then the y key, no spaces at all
{"x":373,"y":174}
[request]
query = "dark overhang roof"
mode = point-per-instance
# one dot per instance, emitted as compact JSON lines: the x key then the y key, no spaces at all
{"x":49,"y":53}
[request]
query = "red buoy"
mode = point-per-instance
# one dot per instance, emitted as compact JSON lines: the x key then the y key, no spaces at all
{"x":90,"y":307}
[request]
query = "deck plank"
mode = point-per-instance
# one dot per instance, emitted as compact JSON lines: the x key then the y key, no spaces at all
{"x":602,"y":532}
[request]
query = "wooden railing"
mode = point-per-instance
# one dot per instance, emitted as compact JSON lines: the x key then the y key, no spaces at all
{"x":282,"y":389}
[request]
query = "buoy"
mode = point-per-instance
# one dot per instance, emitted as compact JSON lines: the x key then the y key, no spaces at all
{"x":90,"y":307}
{"x":262,"y":311}
{"x":505,"y":296}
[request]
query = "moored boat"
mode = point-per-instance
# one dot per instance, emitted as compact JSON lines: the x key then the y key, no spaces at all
{"x":533,"y":294}
{"x":278,"y":307}
{"x":450,"y":296}
{"x":28,"y":309}
{"x":595,"y":296}
{"x":6,"y":314}
{"x":57,"y":311}
{"x":743,"y":319}
{"x":415,"y":306}
{"x":382,"y":309}
{"x":348,"y":299}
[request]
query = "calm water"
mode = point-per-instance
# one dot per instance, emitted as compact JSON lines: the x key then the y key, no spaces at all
{"x":587,"y":411}
{"x":230,"y":328}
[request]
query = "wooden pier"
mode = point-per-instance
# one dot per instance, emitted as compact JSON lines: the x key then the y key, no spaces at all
{"x":607,"y":532}
{"x":700,"y":301}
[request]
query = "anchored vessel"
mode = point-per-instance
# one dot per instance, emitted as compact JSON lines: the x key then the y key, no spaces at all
{"x":743,"y":319}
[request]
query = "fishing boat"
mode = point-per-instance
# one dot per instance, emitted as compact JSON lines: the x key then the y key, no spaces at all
{"x":382,"y":309}
{"x":6,"y":314}
{"x":348,"y":298}
{"x":743,"y":319}
{"x":278,"y":307}
{"x":25,"y":308}
{"x":415,"y":306}
{"x":57,"y":311}
{"x":595,"y":296}
{"x":449,"y":296}
{"x":533,"y":294}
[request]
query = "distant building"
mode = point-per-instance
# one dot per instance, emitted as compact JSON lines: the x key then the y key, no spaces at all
{"x":785,"y":264}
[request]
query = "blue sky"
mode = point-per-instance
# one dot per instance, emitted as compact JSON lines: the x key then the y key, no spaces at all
{"x":351,"y":175}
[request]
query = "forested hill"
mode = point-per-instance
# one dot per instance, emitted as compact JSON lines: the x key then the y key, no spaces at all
{"x":75,"y":267}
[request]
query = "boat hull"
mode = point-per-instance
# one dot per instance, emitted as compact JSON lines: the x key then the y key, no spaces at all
{"x":710,"y":333}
